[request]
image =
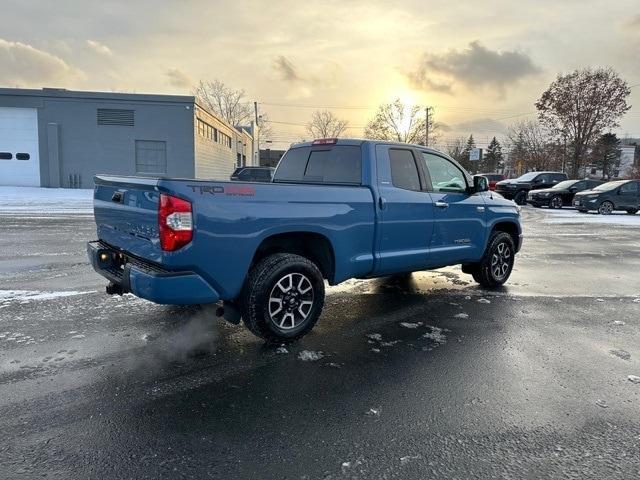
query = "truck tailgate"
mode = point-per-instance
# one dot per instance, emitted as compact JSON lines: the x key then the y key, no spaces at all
{"x":126,"y":214}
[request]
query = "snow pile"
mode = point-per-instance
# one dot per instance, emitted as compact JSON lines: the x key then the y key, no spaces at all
{"x":25,"y":296}
{"x":310,"y":356}
{"x":633,"y":378}
{"x":45,"y":201}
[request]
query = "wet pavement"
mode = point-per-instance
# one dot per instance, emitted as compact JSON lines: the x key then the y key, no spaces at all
{"x":420,"y":377}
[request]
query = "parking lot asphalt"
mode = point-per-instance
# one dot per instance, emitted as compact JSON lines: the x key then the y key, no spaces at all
{"x":420,"y":377}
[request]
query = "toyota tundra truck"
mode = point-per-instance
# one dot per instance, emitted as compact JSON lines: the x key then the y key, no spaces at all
{"x":335,"y":210}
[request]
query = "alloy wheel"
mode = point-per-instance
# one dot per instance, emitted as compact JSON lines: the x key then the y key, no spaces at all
{"x":501,"y":261}
{"x":556,"y":202}
{"x":290,"y":301}
{"x":606,"y":208}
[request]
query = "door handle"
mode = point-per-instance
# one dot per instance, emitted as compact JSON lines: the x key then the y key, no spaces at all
{"x":117,"y":197}
{"x":382,"y":202}
{"x":440,"y":204}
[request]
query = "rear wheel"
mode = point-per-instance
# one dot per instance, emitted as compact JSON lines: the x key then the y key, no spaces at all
{"x":520,"y":198}
{"x":283,"y":297}
{"x":605,"y":208}
{"x":632,"y":211}
{"x":556,"y":201}
{"x":497,"y":263}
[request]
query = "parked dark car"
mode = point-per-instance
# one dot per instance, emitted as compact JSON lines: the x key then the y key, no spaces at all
{"x":610,"y":196}
{"x":493,"y":178}
{"x":517,"y":188}
{"x":253,"y":174}
{"x":561,"y":195}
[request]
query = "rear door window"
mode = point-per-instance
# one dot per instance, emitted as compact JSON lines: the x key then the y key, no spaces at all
{"x":404,"y":171}
{"x":631,"y":187}
{"x":340,"y":164}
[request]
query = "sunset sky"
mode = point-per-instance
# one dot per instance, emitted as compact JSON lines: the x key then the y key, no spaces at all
{"x":481,"y":65}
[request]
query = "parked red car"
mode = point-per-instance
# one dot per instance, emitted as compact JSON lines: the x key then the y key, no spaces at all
{"x":493,"y":179}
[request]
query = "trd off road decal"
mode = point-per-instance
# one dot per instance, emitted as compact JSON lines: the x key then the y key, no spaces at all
{"x":230,"y":190}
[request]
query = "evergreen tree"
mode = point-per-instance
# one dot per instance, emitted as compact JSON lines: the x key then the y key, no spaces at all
{"x":466,"y":163}
{"x":606,"y":155}
{"x":493,"y":160}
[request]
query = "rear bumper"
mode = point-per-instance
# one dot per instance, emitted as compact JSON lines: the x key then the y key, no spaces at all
{"x":149,"y":281}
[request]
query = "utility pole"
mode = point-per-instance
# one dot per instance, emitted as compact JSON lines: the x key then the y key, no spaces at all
{"x":427,"y":114}
{"x":256,"y":136}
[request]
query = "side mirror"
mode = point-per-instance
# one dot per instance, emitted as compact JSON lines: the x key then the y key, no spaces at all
{"x":480,"y":183}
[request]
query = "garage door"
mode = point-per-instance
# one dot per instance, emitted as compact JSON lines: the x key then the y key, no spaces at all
{"x":19,"y":160}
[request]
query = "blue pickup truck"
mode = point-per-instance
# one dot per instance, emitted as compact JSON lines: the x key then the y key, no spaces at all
{"x":336,"y":209}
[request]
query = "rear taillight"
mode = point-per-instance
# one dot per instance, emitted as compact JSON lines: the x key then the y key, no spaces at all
{"x":175,"y":222}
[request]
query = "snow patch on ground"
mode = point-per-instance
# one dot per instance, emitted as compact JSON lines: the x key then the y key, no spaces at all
{"x":45,"y":201}
{"x":573,"y":216}
{"x":461,"y":315}
{"x":25,"y":296}
{"x":436,"y":334}
{"x":633,"y":378}
{"x":310,"y":356}
{"x":410,"y":324}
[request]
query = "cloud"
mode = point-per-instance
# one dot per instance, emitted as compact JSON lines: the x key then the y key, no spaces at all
{"x":99,"y":48}
{"x":633,"y":23}
{"x":475,"y":66}
{"x":480,"y":125}
{"x":178,"y":78}
{"x":24,"y":65}
{"x":286,"y":69}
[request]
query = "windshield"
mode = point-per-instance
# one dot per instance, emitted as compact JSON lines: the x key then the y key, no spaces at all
{"x":566,"y":184}
{"x":528,"y":176}
{"x":609,"y":186}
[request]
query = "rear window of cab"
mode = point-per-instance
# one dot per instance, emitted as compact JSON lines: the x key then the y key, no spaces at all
{"x":335,"y":164}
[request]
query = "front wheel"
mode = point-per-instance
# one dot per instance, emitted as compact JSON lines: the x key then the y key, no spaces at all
{"x":606,"y":208}
{"x":556,"y":201}
{"x":497,"y":263}
{"x":520,"y":198}
{"x":282,"y":298}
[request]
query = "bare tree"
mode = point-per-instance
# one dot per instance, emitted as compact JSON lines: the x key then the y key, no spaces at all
{"x":324,"y":124}
{"x":456,"y":148}
{"x":532,"y":147}
{"x":400,"y":123}
{"x":232,"y":106}
{"x":580,"y":106}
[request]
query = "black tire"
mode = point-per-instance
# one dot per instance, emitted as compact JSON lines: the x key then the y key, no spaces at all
{"x":606,"y":208}
{"x":264,"y":285}
{"x":521,"y":197}
{"x":632,"y":211}
{"x":494,"y":259}
{"x":555,"y":202}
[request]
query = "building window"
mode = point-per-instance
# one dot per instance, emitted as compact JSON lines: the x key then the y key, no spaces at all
{"x":115,"y":116}
{"x":224,"y":139}
{"x":5,"y":156}
{"x":151,"y":157}
{"x":22,"y":156}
